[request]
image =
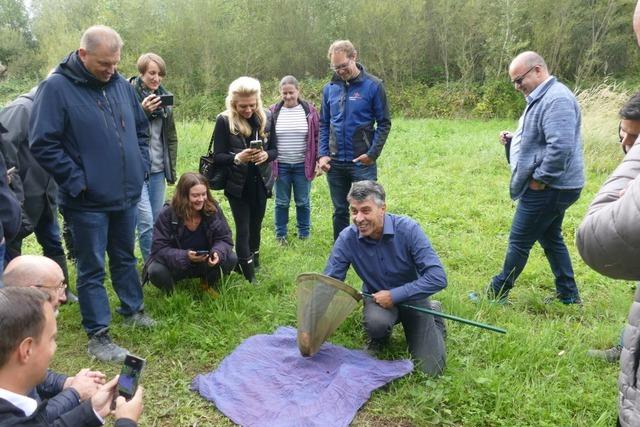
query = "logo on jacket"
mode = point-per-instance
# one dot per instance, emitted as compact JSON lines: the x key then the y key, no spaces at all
{"x":355,"y":96}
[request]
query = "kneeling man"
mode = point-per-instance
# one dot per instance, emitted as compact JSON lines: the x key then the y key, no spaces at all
{"x":394,"y":259}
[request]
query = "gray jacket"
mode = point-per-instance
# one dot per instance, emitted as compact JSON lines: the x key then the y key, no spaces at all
{"x":551,"y":147}
{"x":609,"y":242}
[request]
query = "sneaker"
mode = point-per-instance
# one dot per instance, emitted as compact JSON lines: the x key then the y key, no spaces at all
{"x":281,"y":241}
{"x":102,"y":347}
{"x":71,"y":298}
{"x":565,"y":300}
{"x":437,"y":306}
{"x":611,"y":355}
{"x":139,"y":319}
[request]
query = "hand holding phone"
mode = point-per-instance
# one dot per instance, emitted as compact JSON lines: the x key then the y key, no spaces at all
{"x":166,"y":100}
{"x":130,"y":376}
{"x":256,"y":144}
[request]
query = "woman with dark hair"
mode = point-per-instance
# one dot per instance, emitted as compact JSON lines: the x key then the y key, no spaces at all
{"x":296,"y":125}
{"x":163,"y":144}
{"x":242,"y":141}
{"x":191,"y":238}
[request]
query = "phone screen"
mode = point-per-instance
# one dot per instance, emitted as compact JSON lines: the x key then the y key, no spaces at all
{"x":256,"y":144}
{"x":166,"y":100}
{"x":130,"y":376}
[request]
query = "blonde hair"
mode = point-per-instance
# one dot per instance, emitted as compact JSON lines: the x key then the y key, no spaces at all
{"x":244,"y":87}
{"x":146,"y":58}
{"x":344,"y":46}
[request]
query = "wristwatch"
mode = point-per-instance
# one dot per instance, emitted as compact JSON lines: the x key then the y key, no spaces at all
{"x":236,"y":160}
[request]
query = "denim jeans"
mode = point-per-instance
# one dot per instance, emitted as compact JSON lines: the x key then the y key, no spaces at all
{"x":47,"y":232}
{"x":292,"y":176}
{"x":1,"y":259}
{"x":538,"y":217}
{"x":340,"y":177}
{"x":156,"y":188}
{"x":95,"y":233}
{"x":425,"y":338}
{"x":144,"y":222}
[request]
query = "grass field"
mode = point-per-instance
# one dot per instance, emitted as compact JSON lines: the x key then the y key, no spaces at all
{"x":452,"y":177}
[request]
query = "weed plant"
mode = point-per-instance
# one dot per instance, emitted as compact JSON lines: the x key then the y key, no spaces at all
{"x":452,"y":177}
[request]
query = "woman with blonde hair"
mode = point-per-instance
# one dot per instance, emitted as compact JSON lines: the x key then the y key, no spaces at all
{"x":243,"y":141}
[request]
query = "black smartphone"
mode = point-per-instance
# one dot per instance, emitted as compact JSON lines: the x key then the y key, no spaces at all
{"x":166,"y":100}
{"x":256,"y":143}
{"x":130,"y":376}
{"x":200,"y":253}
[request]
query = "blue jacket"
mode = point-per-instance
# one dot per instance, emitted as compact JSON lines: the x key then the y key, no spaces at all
{"x":92,"y":137}
{"x":349,"y":111}
{"x":9,"y":205}
{"x":551,"y":146}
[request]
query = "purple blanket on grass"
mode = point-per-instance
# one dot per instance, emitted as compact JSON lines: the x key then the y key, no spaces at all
{"x":266,"y":382}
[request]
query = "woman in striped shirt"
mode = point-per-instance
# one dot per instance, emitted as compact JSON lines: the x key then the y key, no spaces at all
{"x":296,"y":126}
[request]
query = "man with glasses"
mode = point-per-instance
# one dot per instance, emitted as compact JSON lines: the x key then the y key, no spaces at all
{"x":63,"y":392}
{"x":547,"y":176}
{"x":354,"y":125}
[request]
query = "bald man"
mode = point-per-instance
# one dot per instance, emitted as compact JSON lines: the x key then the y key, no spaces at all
{"x":38,"y":272}
{"x":88,"y":130}
{"x":547,"y":176}
{"x":64,"y":392}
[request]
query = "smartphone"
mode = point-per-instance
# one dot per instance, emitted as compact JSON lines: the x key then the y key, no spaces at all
{"x":200,"y":253}
{"x":166,"y":100}
{"x":130,"y":376}
{"x":256,"y":143}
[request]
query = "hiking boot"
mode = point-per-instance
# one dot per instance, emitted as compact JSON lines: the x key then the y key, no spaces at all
{"x":102,"y":347}
{"x":212,"y":292}
{"x":140,"y":320}
{"x":281,"y":241}
{"x":437,"y":306}
{"x":565,"y":300}
{"x":611,"y":355}
{"x":374,"y":346}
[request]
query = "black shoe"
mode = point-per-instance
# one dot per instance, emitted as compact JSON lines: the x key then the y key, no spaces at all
{"x":248,"y":271}
{"x":256,"y":260}
{"x":103,"y":348}
{"x":565,"y":300}
{"x":611,"y":355}
{"x":375,"y":346}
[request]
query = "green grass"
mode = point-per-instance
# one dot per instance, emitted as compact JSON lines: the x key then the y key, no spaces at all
{"x":452,"y":177}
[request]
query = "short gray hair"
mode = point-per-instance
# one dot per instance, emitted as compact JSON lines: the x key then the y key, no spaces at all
{"x":362,"y":190}
{"x":99,"y":35}
{"x":290,"y":80}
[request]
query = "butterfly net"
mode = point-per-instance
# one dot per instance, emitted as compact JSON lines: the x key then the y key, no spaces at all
{"x":323,"y":304}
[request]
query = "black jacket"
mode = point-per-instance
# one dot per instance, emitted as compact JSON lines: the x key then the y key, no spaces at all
{"x":81,"y":416}
{"x":227,"y":145}
{"x":9,"y":205}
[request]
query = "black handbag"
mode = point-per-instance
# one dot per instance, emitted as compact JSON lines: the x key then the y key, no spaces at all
{"x":215,"y":174}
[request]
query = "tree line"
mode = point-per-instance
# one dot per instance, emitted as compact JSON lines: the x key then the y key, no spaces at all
{"x":414,"y":45}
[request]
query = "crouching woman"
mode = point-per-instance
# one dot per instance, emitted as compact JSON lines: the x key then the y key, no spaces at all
{"x":191,"y":238}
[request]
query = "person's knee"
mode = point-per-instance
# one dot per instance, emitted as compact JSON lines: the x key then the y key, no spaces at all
{"x":377,"y":328}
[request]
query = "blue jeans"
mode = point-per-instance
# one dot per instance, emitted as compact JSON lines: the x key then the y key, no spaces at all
{"x":340,"y":177}
{"x":292,"y":176}
{"x":538,"y":217}
{"x":149,"y":207}
{"x":95,"y":233}
{"x":1,"y":259}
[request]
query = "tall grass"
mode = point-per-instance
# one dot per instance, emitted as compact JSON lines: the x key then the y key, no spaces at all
{"x":451,"y":176}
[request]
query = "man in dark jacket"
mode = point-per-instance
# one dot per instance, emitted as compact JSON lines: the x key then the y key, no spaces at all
{"x":9,"y":208}
{"x":352,"y":102}
{"x":89,"y":132}
{"x":27,"y":345}
{"x":39,"y":190}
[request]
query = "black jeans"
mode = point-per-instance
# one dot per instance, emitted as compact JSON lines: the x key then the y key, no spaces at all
{"x":163,"y":278}
{"x":248,"y":213}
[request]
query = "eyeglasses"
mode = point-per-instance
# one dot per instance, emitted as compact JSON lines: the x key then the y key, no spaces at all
{"x":340,"y":66}
{"x":59,"y":288}
{"x":518,"y":80}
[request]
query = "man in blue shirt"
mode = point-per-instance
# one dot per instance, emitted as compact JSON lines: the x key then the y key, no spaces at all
{"x":547,"y":176}
{"x":397,"y":264}
{"x":352,"y":103}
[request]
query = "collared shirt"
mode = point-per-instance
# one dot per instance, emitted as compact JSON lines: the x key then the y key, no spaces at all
{"x":402,"y":261}
{"x":534,"y":93}
{"x":24,"y":403}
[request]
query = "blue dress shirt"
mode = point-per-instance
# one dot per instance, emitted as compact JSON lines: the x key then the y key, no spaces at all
{"x":402,"y":261}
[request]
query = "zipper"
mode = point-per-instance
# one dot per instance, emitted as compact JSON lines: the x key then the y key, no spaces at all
{"x":124,"y":160}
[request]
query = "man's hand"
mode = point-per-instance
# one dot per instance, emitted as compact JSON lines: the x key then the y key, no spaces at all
{"x":383,"y":299}
{"x":505,"y":137}
{"x":364,"y":159}
{"x":131,"y":409}
{"x":213,"y":259}
{"x":537,"y":185}
{"x":101,"y":401}
{"x":86,"y":383}
{"x":324,"y":163}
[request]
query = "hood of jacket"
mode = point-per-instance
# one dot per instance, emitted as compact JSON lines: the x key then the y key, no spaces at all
{"x":73,"y":68}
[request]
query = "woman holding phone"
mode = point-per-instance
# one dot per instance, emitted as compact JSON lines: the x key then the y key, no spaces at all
{"x":296,"y":124}
{"x":243,"y":142}
{"x":191,"y":238}
{"x":157,"y":103}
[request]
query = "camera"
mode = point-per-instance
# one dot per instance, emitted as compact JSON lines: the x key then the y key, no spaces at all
{"x":129,"y":376}
{"x":256,"y":144}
